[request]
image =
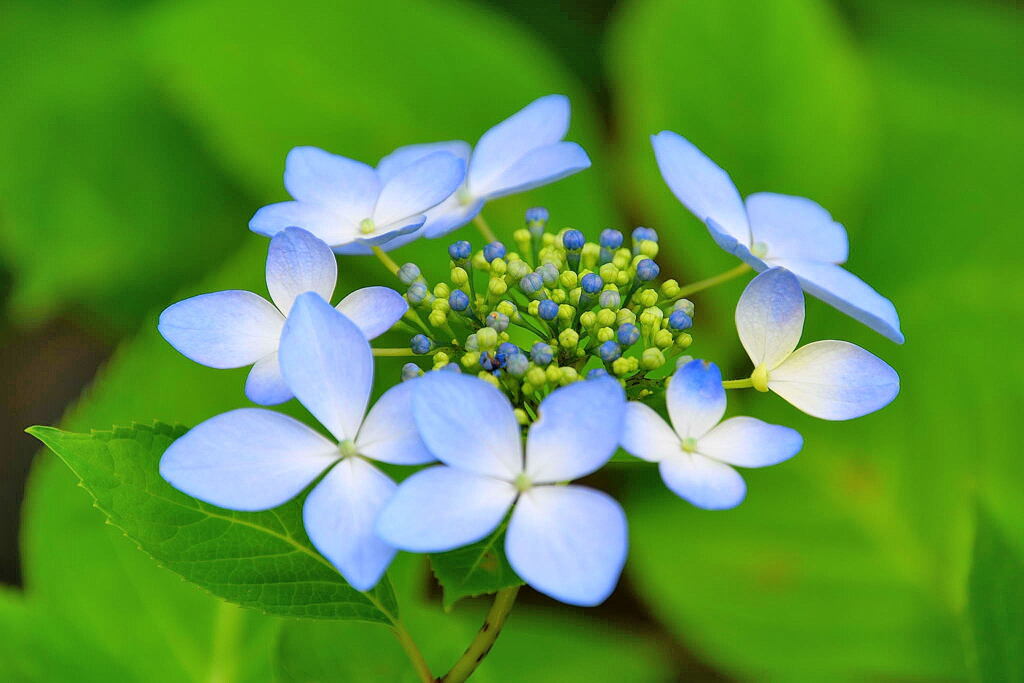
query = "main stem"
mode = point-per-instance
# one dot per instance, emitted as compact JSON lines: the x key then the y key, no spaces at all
{"x":484,"y":229}
{"x":485,"y":637}
{"x":712,"y":281}
{"x":415,"y":656}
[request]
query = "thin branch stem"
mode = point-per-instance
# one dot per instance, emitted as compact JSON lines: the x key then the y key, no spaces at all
{"x":413,"y":651}
{"x":712,"y":281}
{"x":399,"y":353}
{"x":388,"y":262}
{"x":738,"y":383}
{"x":484,"y":229}
{"x":485,"y":637}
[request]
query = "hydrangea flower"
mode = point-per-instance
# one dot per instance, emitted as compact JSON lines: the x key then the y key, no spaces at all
{"x":256,"y":459}
{"x":833,"y":380}
{"x":697,"y":451}
{"x":773,"y":230}
{"x":524,"y":151}
{"x":353,"y":207}
{"x":566,"y":541}
{"x":236,"y":328}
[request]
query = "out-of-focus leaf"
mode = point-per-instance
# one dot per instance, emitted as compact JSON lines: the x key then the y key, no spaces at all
{"x":996,"y":605}
{"x":476,"y":569}
{"x":261,"y":559}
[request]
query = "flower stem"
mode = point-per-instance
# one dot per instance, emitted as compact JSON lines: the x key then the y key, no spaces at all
{"x":738,"y":383}
{"x":484,"y":229}
{"x":712,"y":281}
{"x":411,"y":649}
{"x":393,"y":352}
{"x":485,"y":637}
{"x":385,"y":259}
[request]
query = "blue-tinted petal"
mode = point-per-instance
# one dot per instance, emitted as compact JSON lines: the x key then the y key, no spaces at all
{"x":374,"y":309}
{"x":450,"y":215}
{"x":577,"y":430}
{"x":389,"y":432}
{"x":442,"y":508}
{"x":339,"y":515}
{"x":403,"y":157}
{"x":770,"y":317}
{"x":538,"y":167}
{"x":422,"y":185}
{"x":228,"y":329}
{"x":835,"y":380}
{"x":568,"y":542}
{"x":247,"y":459}
{"x":318,"y":177}
{"x":848,"y":293}
{"x":706,"y":483}
{"x":795,"y":227}
{"x":698,"y":182}
{"x":468,"y":424}
{"x":543,"y":122}
{"x":327,"y":363}
{"x":695,"y":399}
{"x":729,"y":244}
{"x":319,"y":219}
{"x":387,"y":238}
{"x":749,"y":442}
{"x":265,"y":384}
{"x":646,"y":435}
{"x":298,"y":262}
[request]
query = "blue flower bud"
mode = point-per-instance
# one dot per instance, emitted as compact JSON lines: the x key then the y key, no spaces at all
{"x":678,"y":320}
{"x":628,"y":334}
{"x":460,"y":251}
{"x":531,"y":283}
{"x":611,"y":238}
{"x":610,"y":298}
{"x":452,"y":367}
{"x":497,"y":321}
{"x":573,"y":240}
{"x":494,"y":250}
{"x":408,"y":273}
{"x":609,"y":351}
{"x":489,"y":361}
{"x":421,"y":344}
{"x":541,"y":353}
{"x":644,"y":234}
{"x":417,"y":293}
{"x":537,"y":214}
{"x":548,"y":309}
{"x":517,"y":364}
{"x":508,"y":348}
{"x":597,"y":373}
{"x":591,"y":283}
{"x":549,"y":273}
{"x":647,"y":270}
{"x":410,"y":371}
{"x":458,"y":300}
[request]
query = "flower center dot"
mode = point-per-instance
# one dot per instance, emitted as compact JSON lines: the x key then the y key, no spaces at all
{"x":759,"y":249}
{"x":347,"y":448}
{"x":689,"y":444}
{"x":366,"y":226}
{"x":522,"y":482}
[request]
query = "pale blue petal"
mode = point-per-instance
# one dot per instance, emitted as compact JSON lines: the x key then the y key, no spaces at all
{"x":319,"y":219}
{"x":795,"y":227}
{"x":247,"y":459}
{"x":228,"y":329}
{"x":568,"y":542}
{"x":647,"y":435}
{"x":450,"y":215}
{"x":538,"y":167}
{"x":387,"y":238}
{"x":403,"y":157}
{"x":848,"y":293}
{"x":706,"y":483}
{"x":441,"y":509}
{"x":298,"y":262}
{"x":729,"y":244}
{"x":749,"y":442}
{"x":577,"y":430}
{"x":835,"y":380}
{"x":389,"y":432}
{"x":770,"y":317}
{"x":695,"y":399}
{"x":265,"y":384}
{"x":339,"y":515}
{"x":318,"y":177}
{"x":422,"y":185}
{"x":543,"y":122}
{"x":468,"y":424}
{"x":328,"y":364}
{"x":374,"y":309}
{"x":698,"y":182}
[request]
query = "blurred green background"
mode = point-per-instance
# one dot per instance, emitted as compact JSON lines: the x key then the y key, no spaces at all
{"x":137,"y":139}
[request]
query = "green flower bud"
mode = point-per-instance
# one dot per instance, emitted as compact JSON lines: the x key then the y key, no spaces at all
{"x":442,"y":290}
{"x":566,"y":312}
{"x":499,"y":266}
{"x":496,"y":287}
{"x":588,"y":319}
{"x":669,"y":288}
{"x":518,"y":269}
{"x":622,"y":259}
{"x":649,"y":248}
{"x":559,"y":296}
{"x":652,"y":358}
{"x":471,"y":359}
{"x":508,"y":308}
{"x":591,"y":252}
{"x":569,"y":375}
{"x":568,"y":279}
{"x":489,"y":378}
{"x":605,"y":334}
{"x":521,"y":416}
{"x":622,"y":366}
{"x":459,"y":277}
{"x":536,"y":376}
{"x":479,"y":262}
{"x":553,"y":374}
{"x":532,"y":307}
{"x":437,"y":318}
{"x":647,"y":297}
{"x":684,"y":340}
{"x":608,"y":272}
{"x":441,"y":358}
{"x":487,"y":339}
{"x":568,"y":339}
{"x":606,"y":317}
{"x":624,"y":315}
{"x":663,"y":339}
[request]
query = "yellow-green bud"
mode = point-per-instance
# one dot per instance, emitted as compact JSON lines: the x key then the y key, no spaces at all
{"x":559,"y":296}
{"x":624,"y":315}
{"x":459,"y":276}
{"x":588,"y":319}
{"x":669,"y":288}
{"x":553,"y":373}
{"x":684,"y":340}
{"x":606,"y":317}
{"x":548,"y":239}
{"x":487,"y":338}
{"x":651,"y":316}
{"x":536,"y":376}
{"x":622,"y":259}
{"x":589,"y":255}
{"x":647,"y":297}
{"x":499,"y":266}
{"x":496,"y":287}
{"x":533,"y":307}
{"x":441,"y":358}
{"x":442,"y":290}
{"x":441,"y":305}
{"x":566,"y":312}
{"x":574,"y":296}
{"x":568,"y":339}
{"x":470,"y":359}
{"x":489,"y":378}
{"x":652,"y":359}
{"x":508,"y":308}
{"x":605,"y":334}
{"x":528,"y":387}
{"x":622,"y":366}
{"x":479,"y":262}
{"x":569,"y":375}
{"x":568,"y":279}
{"x":521,"y":416}
{"x":437,"y":318}
{"x":649,"y":248}
{"x":522,"y":239}
{"x":608,"y":272}
{"x":663,"y":339}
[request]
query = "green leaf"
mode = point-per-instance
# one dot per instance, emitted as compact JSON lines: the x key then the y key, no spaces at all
{"x":262,"y":560}
{"x":995,"y":605}
{"x":476,"y":569}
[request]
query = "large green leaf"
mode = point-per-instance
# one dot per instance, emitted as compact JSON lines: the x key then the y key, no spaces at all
{"x":262,"y":560}
{"x":476,"y":569}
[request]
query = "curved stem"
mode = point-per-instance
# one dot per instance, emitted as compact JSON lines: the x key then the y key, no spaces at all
{"x":411,"y":649}
{"x":388,"y":262}
{"x":484,"y":229}
{"x":485,"y":637}
{"x":712,"y":281}
{"x":400,"y":353}
{"x":738,"y":383}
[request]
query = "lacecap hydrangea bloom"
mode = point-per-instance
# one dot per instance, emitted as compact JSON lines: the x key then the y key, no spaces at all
{"x":531,"y":361}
